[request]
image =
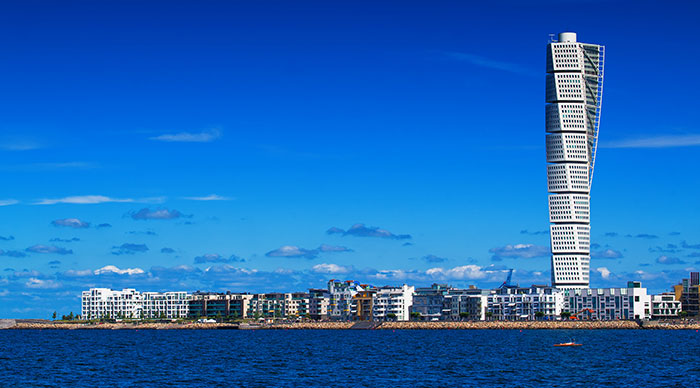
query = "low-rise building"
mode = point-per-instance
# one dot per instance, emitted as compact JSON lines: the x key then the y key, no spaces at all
{"x":270,"y":305}
{"x":631,"y":302}
{"x":467,"y":304}
{"x":319,"y":300}
{"x":104,"y":303}
{"x":393,"y":303}
{"x":445,"y":303}
{"x":665,"y":306}
{"x":428,"y":302}
{"x":173,"y":304}
{"x":342,"y":305}
{"x":361,"y":308}
{"x":513,"y":303}
{"x":297,"y":305}
{"x":226,"y":305}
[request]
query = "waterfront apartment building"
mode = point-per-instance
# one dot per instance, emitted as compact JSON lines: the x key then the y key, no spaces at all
{"x":298,"y":305}
{"x":665,"y":306}
{"x":393,"y":301}
{"x":173,"y":304}
{"x":319,"y":300}
{"x":225,"y":305}
{"x":270,"y":305}
{"x":467,"y":304}
{"x":104,"y":303}
{"x":342,"y":305}
{"x":574,"y":88}
{"x":513,"y":303}
{"x":631,"y":302}
{"x":441,"y":302}
{"x":429,"y":301}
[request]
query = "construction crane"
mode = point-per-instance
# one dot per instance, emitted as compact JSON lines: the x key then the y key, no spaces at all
{"x":575,"y":316}
{"x":507,"y":282}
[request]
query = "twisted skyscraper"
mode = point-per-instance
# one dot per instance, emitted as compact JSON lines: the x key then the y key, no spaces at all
{"x":572,"y":115}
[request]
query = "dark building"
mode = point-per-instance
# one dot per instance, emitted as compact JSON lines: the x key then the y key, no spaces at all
{"x":224,"y":305}
{"x":690,"y":295}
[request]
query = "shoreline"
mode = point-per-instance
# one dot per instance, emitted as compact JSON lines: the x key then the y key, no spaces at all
{"x":32,"y":324}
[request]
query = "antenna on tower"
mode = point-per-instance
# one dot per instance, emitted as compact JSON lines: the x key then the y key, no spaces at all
{"x":551,"y":38}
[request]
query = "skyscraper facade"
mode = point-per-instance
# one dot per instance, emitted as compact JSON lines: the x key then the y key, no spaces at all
{"x":574,"y":88}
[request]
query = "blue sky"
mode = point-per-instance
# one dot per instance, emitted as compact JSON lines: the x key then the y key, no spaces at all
{"x":214,"y":146}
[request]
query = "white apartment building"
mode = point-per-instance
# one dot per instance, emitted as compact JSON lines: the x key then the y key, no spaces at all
{"x":297,"y":304}
{"x":632,"y":302}
{"x":512,"y":303}
{"x":393,"y":300}
{"x":104,"y":303}
{"x":100,"y":303}
{"x":574,"y":89}
{"x":341,"y":305}
{"x":174,"y":304}
{"x":665,"y":306}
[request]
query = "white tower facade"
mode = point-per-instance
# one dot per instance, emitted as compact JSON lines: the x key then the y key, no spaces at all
{"x":574,"y":89}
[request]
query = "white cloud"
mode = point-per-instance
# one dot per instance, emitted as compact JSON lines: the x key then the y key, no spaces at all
{"x":113,"y":269}
{"x":604,"y":272}
{"x":330,"y":268}
{"x":8,"y":202}
{"x":187,"y":137}
{"x":293,"y":251}
{"x":83,"y":199}
{"x":463,"y":272}
{"x":42,"y":284}
{"x":71,"y":223}
{"x":656,"y":142}
{"x":210,"y":197}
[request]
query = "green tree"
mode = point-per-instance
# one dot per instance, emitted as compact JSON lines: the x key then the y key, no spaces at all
{"x":683,"y":314}
{"x":53,"y":316}
{"x":565,"y":315}
{"x":464,"y":315}
{"x":539,"y":315}
{"x":70,"y":316}
{"x":415,"y":316}
{"x":489,"y":315}
{"x":391,"y":316}
{"x":218,"y":317}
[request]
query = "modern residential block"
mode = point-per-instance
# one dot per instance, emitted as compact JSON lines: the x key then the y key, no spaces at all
{"x":665,"y":306}
{"x":513,"y":303}
{"x":104,"y":303}
{"x":631,"y":302}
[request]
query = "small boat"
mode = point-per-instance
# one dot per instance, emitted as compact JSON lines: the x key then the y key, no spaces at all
{"x":567,"y":344}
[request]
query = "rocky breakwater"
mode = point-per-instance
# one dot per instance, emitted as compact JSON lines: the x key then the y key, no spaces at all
{"x":678,"y":324}
{"x":50,"y":325}
{"x":510,"y":325}
{"x":310,"y":326}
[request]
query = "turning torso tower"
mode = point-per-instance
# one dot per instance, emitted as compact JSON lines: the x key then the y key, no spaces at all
{"x":572,"y":115}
